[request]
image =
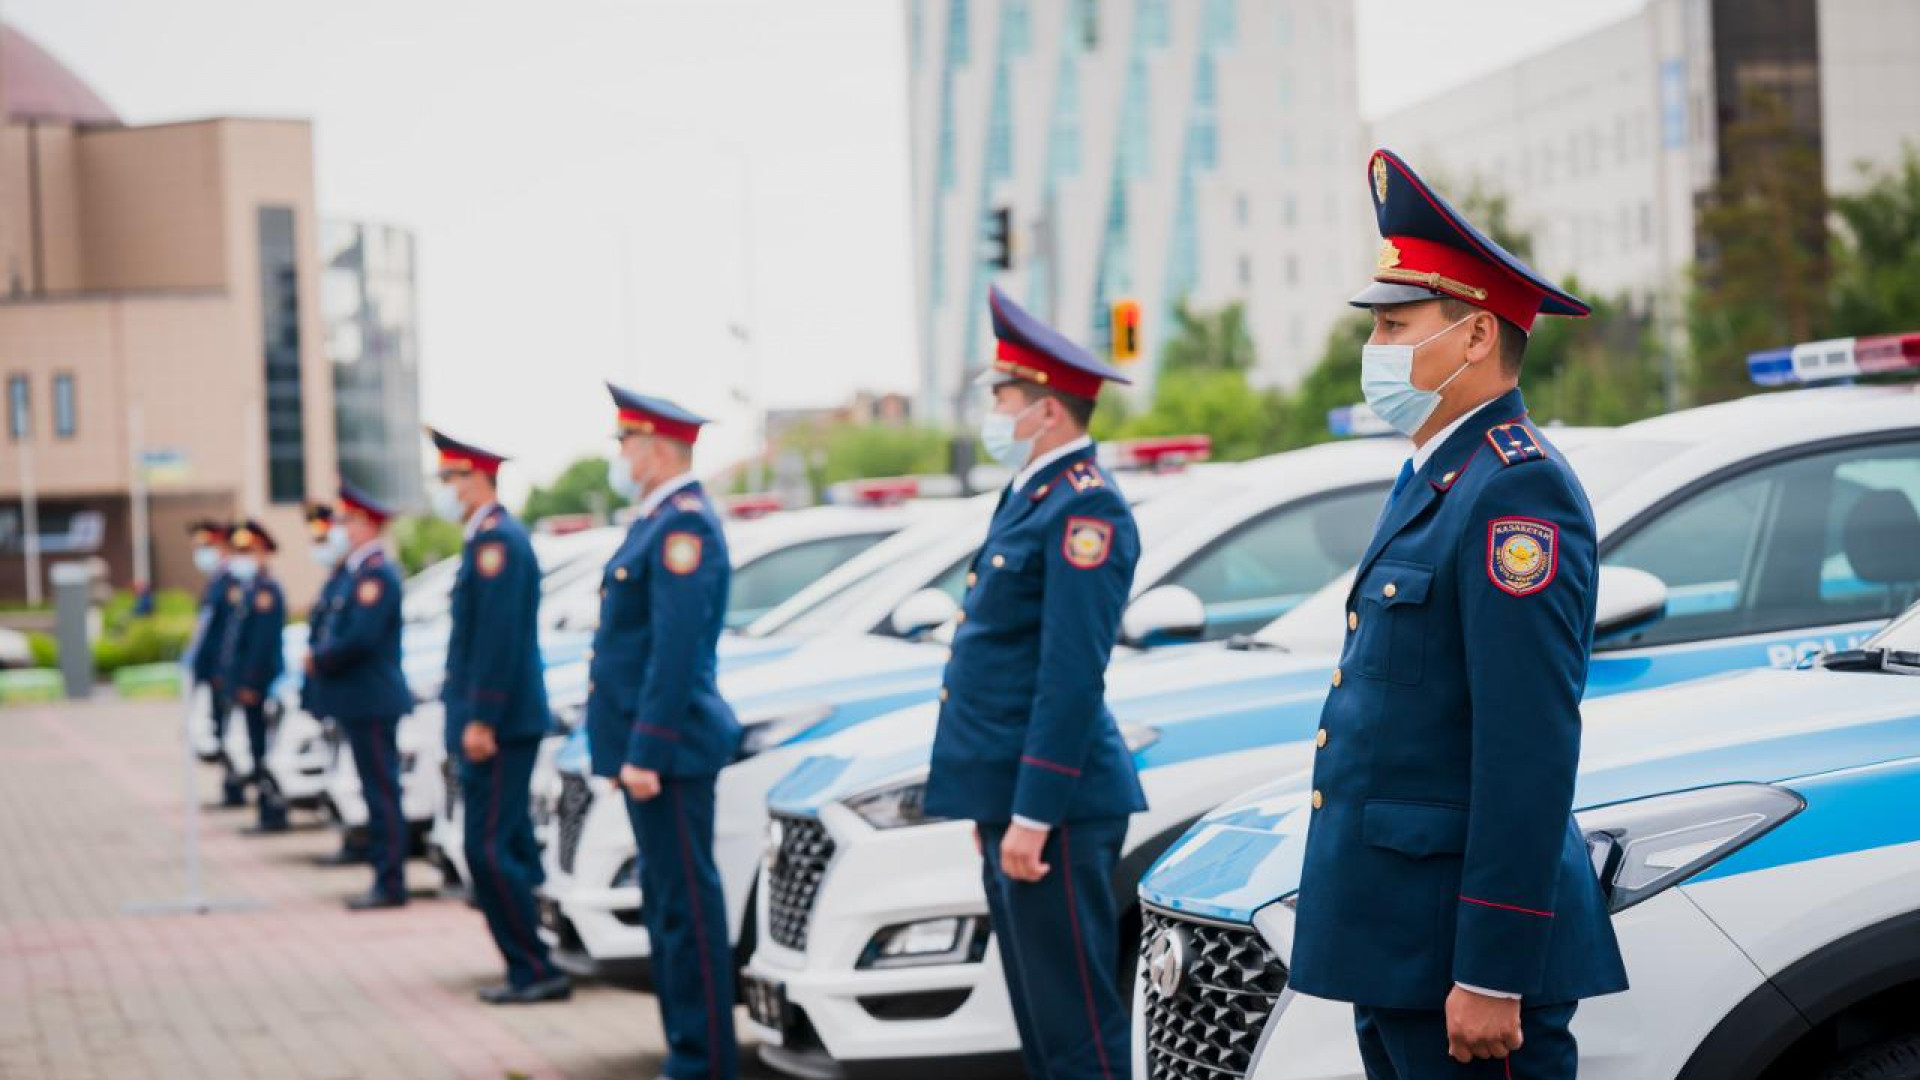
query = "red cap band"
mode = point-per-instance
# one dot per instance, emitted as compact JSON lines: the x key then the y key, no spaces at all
{"x":647,"y":423}
{"x":1020,"y":362}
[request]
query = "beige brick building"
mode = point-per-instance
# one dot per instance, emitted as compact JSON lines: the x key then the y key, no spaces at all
{"x":165,"y":276}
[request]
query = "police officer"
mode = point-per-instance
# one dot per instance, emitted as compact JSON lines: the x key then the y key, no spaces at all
{"x":328,"y":546}
{"x":657,"y":726}
{"x":253,"y":658}
{"x":496,"y":710}
{"x":1026,"y":748}
{"x":1446,"y":891}
{"x":355,"y":662}
{"x":209,"y":635}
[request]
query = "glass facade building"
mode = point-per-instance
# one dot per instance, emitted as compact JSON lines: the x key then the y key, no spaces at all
{"x":367,"y":294}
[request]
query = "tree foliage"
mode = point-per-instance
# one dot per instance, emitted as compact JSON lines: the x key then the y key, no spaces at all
{"x":581,"y":488}
{"x":423,"y":541}
{"x":1876,"y":279}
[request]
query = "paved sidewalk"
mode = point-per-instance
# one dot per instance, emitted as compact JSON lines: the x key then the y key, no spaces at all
{"x":298,"y":989}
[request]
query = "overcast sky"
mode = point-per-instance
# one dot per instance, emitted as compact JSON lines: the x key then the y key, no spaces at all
{"x":586,"y":176}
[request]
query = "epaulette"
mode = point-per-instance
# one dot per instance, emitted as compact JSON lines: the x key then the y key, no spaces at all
{"x":1514,"y":443}
{"x":689,"y":503}
{"x":492,"y":520}
{"x":1084,"y":476}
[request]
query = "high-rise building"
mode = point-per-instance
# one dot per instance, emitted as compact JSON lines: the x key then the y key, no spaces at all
{"x":1134,"y":150}
{"x":367,"y":293}
{"x":1604,"y":146}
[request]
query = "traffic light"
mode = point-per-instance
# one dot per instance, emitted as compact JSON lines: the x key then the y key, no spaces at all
{"x":1125,"y":324}
{"x":1000,"y":238}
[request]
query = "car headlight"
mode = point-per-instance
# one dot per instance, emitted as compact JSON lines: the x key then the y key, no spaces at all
{"x":900,"y":804}
{"x":769,"y":728}
{"x":1644,"y":847}
{"x":952,"y":940}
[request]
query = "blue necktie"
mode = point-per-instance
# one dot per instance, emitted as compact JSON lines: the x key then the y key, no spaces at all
{"x":1399,"y":485}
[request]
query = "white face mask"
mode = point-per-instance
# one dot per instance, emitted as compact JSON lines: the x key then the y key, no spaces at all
{"x":333,"y":550}
{"x":206,"y":560}
{"x":446,"y":504}
{"x":998,"y":440}
{"x":1386,"y":379}
{"x":620,"y":478}
{"x":244,"y":567}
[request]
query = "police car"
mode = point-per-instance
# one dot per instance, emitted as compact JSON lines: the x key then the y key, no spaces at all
{"x":1702,"y":514}
{"x":1756,"y":838}
{"x":1226,"y":547}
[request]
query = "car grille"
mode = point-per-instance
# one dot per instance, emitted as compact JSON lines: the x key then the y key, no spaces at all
{"x":576,"y":798}
{"x":793,"y":880}
{"x":1208,"y":1028}
{"x":450,"y":780}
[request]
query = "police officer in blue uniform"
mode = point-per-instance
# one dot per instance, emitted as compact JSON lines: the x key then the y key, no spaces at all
{"x":657,"y":726}
{"x":328,"y":546}
{"x":496,"y":707}
{"x":1446,"y":891}
{"x":1026,"y":748}
{"x":252,"y":658}
{"x":202,"y":658}
{"x":355,"y":666}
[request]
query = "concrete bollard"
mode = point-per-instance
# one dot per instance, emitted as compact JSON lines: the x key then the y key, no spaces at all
{"x":72,"y":599}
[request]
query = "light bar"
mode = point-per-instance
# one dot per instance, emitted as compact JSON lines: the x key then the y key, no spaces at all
{"x":1159,"y":452}
{"x":1358,"y":421}
{"x":750,"y":507}
{"x":1836,"y":358}
{"x":885,"y":491}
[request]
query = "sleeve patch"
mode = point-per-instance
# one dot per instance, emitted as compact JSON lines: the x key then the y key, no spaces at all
{"x":1514,"y":443}
{"x":368,"y":593}
{"x":1088,"y":542}
{"x":263,"y":600}
{"x":1522,"y":554}
{"x":680,"y":552}
{"x":490,"y":559}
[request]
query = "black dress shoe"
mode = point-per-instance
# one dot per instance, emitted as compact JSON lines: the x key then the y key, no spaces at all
{"x":265,"y":828}
{"x":558,"y":988}
{"x":342,"y":857}
{"x":375,"y":901}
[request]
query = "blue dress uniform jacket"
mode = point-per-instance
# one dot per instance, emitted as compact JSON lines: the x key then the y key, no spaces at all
{"x":1024,"y":728}
{"x":356,"y":651}
{"x":313,"y":691}
{"x":253,"y":656}
{"x":215,"y":607}
{"x":653,"y":699}
{"x":1442,"y":848}
{"x":494,"y":672}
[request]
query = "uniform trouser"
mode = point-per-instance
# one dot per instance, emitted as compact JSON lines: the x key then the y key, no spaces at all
{"x":503,"y":856}
{"x":376,"y":755}
{"x":273,"y":810}
{"x":1411,"y":1044}
{"x":1060,"y":945}
{"x":686,"y":917}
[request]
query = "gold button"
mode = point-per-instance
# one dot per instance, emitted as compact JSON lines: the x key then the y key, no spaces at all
{"x":1390,"y":591}
{"x":943,"y":693}
{"x":960,"y":618}
{"x":999,"y":561}
{"x":1353,"y":620}
{"x":1321,"y":738}
{"x":1448,"y":479}
{"x":1318,"y":802}
{"x":972,"y":579}
{"x":620,"y":574}
{"x":1336,"y":677}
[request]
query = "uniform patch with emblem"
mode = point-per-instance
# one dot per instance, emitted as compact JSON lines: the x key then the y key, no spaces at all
{"x":369,"y":592}
{"x":680,"y":552}
{"x":1379,"y":179}
{"x":1522,"y":554}
{"x":490,"y":559}
{"x":1088,"y":542}
{"x":1084,"y":477}
{"x":263,"y":601}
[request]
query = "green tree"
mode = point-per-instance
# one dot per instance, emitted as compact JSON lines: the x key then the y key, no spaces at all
{"x":1243,"y":422}
{"x":1876,"y":283}
{"x":1598,"y":370}
{"x":423,"y":541}
{"x":1207,"y":340}
{"x":1332,"y":382}
{"x":842,"y":451}
{"x":1765,"y":271}
{"x":581,"y":488}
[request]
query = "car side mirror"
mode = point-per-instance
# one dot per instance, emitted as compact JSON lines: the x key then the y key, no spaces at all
{"x":921,"y":612}
{"x":1162,"y":615}
{"x":1629,"y":600}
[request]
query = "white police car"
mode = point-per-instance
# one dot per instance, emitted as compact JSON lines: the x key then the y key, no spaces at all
{"x":1753,"y":524}
{"x":1224,"y":548}
{"x":1759,"y":842}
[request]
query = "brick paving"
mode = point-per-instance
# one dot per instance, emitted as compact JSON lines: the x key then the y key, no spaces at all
{"x":297,"y":989}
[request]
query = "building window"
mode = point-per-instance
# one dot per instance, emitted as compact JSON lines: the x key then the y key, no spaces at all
{"x":1646,"y":223}
{"x":1220,"y":21}
{"x":19,"y":407}
{"x":1289,"y":210}
{"x":280,"y":354}
{"x":1088,"y":16}
{"x":1246,"y":271}
{"x":1240,"y":208}
{"x":63,"y":410}
{"x":1293,"y":269}
{"x":1155,"y":28}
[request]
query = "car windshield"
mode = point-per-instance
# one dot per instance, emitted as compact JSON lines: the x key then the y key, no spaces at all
{"x":1610,"y":464}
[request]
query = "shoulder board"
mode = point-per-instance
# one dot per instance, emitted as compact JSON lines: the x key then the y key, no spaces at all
{"x":689,"y":502}
{"x":1515,"y":443}
{"x":374,"y":561}
{"x":1084,"y":475}
{"x":492,"y":520}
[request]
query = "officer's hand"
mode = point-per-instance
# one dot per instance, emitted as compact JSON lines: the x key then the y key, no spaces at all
{"x":641,"y":784}
{"x":246,"y":697}
{"x":477,"y":741}
{"x":1020,"y":853}
{"x":1479,"y":1026}
{"x":307,"y":664}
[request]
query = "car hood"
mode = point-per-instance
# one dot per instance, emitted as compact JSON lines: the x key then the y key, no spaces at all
{"x":1756,"y":726}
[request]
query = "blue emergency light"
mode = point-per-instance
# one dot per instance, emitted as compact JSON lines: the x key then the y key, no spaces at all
{"x":1836,"y":358}
{"x":1356,"y":421}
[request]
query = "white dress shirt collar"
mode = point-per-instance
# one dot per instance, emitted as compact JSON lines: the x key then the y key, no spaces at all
{"x":660,"y":494}
{"x":1432,"y":446}
{"x":361,"y":554}
{"x":1033,"y":468}
{"x":477,"y":517}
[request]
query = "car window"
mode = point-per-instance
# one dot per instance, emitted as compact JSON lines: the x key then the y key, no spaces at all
{"x":1818,"y":540}
{"x":1270,"y":563}
{"x":761,"y":585}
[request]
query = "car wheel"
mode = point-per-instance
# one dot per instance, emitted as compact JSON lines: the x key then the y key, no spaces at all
{"x":1897,"y":1058}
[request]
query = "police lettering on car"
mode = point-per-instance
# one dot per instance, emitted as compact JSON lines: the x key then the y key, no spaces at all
{"x":658,"y":727}
{"x":355,"y":668}
{"x":1445,"y":891}
{"x":496,"y":714}
{"x":1025,"y":747}
{"x":251,"y":658}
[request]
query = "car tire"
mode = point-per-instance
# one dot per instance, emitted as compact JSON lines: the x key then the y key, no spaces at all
{"x":1897,"y":1058}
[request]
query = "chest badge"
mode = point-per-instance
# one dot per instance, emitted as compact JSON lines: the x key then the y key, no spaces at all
{"x":681,"y":552}
{"x":1522,"y":554}
{"x":490,"y":559}
{"x":1088,"y":542}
